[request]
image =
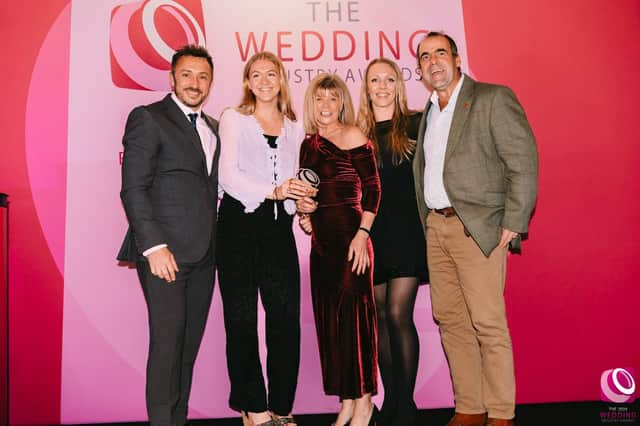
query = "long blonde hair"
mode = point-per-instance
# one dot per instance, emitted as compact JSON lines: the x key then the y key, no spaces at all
{"x":248,"y":104}
{"x":401,"y":146}
{"x":336,"y":86}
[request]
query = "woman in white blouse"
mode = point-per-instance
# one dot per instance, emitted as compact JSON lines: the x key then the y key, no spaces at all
{"x":256,"y":250}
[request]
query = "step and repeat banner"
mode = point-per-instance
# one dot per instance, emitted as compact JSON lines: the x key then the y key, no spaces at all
{"x":120,"y":53}
{"x":76,"y":68}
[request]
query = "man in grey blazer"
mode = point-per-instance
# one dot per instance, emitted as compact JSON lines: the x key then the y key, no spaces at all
{"x":476,"y":172}
{"x":170,"y":194}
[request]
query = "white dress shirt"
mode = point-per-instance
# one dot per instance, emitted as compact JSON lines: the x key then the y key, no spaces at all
{"x":435,"y":146}
{"x":249,"y":168}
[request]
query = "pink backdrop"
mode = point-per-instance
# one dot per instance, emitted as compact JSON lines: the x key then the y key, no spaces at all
{"x":75,"y":69}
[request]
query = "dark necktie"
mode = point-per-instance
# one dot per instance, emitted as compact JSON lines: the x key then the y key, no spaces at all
{"x":193,"y":117}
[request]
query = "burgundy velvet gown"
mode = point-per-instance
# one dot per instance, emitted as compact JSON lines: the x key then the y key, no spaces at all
{"x":343,"y":302}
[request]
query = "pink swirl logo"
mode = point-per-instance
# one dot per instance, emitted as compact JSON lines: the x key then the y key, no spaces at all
{"x":145,"y":34}
{"x":617,"y":385}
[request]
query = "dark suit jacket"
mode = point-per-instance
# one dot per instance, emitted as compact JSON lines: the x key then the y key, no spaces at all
{"x":490,"y":166}
{"x":167,"y":193}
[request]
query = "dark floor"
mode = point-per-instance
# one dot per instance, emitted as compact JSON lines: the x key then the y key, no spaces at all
{"x":557,"y":414}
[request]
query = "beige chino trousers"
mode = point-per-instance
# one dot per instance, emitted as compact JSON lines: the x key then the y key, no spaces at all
{"x":467,"y":297}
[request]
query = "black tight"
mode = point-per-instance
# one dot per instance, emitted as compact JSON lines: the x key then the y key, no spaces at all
{"x":398,"y":348}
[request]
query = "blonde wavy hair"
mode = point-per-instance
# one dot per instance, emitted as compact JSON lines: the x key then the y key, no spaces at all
{"x":337,"y":87}
{"x":248,"y":103}
{"x":400,"y":145}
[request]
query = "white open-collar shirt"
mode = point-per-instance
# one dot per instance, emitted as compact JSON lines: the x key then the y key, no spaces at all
{"x":435,"y":146}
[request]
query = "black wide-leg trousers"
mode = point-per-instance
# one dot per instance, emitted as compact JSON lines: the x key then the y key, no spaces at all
{"x":257,"y":255}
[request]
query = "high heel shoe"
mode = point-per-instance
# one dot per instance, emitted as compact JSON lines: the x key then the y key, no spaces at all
{"x":405,"y":416}
{"x":246,"y":421}
{"x":385,"y":416}
{"x":374,"y":416}
{"x":284,"y":421}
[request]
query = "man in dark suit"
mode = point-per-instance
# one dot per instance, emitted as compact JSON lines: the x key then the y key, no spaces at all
{"x":169,"y":192}
{"x":475,"y":171}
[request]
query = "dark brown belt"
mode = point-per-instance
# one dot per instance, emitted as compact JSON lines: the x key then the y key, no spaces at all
{"x":450,"y":212}
{"x":446,"y":212}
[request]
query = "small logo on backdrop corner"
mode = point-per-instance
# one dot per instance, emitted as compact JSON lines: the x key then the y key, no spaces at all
{"x":144,"y":35}
{"x":618,"y":392}
{"x":618,"y":385}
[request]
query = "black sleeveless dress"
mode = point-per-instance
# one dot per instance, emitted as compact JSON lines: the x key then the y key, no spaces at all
{"x":398,"y":239}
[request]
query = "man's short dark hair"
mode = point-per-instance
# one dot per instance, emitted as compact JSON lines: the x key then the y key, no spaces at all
{"x":452,"y":43}
{"x":191,"y":50}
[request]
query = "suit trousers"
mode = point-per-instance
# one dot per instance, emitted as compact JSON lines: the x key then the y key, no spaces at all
{"x":257,"y":255}
{"x":177,"y":315}
{"x":467,"y":297}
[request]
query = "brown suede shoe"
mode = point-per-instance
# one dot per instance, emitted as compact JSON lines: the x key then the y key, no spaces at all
{"x":499,"y":422}
{"x":468,"y":420}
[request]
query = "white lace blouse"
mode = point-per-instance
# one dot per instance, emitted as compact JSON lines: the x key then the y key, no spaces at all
{"x":249,"y":169}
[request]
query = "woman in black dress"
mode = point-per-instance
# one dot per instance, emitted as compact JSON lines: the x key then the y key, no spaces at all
{"x":397,"y":236}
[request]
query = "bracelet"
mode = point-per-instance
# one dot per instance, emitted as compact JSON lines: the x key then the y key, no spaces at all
{"x":362,"y":228}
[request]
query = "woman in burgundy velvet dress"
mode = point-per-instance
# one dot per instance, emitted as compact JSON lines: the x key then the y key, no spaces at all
{"x":341,"y":253}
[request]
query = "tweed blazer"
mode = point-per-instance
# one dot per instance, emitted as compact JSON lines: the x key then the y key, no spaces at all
{"x":490,"y":166}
